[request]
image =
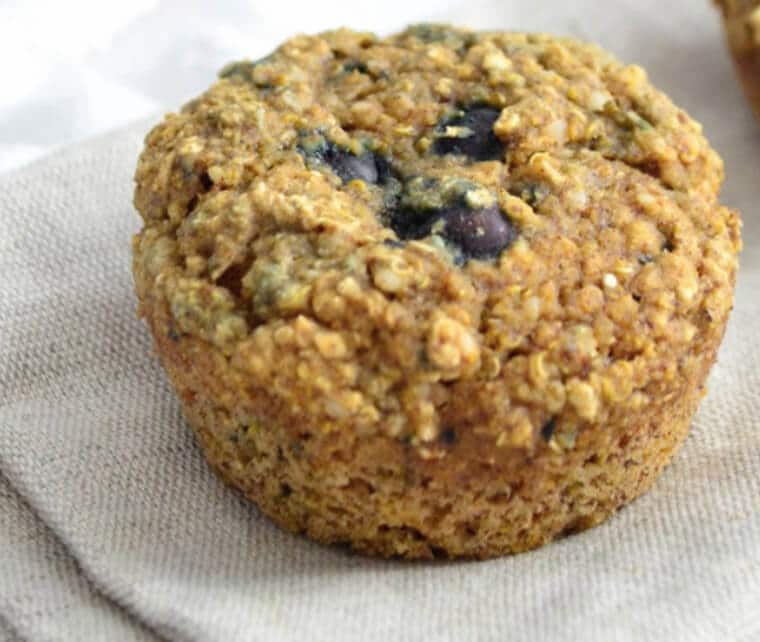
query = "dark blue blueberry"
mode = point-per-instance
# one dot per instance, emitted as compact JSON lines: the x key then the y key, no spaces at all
{"x":478,"y":234}
{"x":350,"y":167}
{"x":411,"y":225}
{"x":548,"y":429}
{"x":481,"y":144}
{"x":368,"y":166}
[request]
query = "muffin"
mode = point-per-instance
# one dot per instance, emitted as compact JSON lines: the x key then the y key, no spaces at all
{"x":443,"y":294}
{"x":741,"y":19}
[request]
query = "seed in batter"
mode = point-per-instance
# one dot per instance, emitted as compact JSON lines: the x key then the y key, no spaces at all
{"x":448,"y":436}
{"x":470,"y":133}
{"x":532,"y":193}
{"x":354,"y":65}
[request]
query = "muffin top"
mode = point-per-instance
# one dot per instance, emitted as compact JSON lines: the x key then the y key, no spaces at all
{"x":440,"y":231}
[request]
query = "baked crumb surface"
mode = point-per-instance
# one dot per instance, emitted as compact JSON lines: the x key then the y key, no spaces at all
{"x":442,"y":293}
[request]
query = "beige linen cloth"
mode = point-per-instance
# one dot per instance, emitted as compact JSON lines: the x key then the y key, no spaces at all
{"x":113,"y":528}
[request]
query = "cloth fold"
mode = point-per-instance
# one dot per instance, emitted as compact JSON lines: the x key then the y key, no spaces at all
{"x":112,"y":526}
{"x":50,"y":584}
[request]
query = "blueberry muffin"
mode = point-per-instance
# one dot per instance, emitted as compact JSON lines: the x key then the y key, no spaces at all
{"x":741,"y":19}
{"x":440,"y":294}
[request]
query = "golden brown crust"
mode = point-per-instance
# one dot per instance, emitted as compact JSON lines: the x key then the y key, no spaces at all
{"x":741,"y":19}
{"x":393,"y":393}
{"x":380,"y":497}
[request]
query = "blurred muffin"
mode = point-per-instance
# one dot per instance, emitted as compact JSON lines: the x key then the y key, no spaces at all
{"x":741,"y":19}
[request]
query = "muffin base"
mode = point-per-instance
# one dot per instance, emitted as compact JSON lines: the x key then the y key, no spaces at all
{"x":414,"y":511}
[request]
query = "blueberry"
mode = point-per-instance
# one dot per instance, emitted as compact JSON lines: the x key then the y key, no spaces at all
{"x":412,"y":225}
{"x":350,"y":167}
{"x":367,"y":166}
{"x":478,"y":234}
{"x":547,"y":430}
{"x":477,"y":140}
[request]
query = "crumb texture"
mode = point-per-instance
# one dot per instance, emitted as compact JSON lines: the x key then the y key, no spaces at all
{"x":442,"y":294}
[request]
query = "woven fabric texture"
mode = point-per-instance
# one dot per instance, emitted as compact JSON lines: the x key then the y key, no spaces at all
{"x":113,"y":528}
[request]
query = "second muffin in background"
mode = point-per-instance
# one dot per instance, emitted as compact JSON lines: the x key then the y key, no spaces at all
{"x":741,"y":19}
